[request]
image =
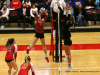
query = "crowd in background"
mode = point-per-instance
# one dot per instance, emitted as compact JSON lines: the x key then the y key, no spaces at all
{"x":27,"y":9}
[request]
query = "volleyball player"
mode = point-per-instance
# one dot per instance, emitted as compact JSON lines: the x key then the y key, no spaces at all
{"x":40,"y":33}
{"x":26,"y":66}
{"x":11,"y":50}
{"x":68,"y":22}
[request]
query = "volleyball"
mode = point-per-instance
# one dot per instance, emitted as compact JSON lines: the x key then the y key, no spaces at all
{"x":42,"y":10}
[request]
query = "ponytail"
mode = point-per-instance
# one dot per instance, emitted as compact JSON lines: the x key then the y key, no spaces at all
{"x":9,"y":42}
{"x":27,"y":60}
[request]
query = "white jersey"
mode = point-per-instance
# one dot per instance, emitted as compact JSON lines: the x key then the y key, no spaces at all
{"x":55,"y":6}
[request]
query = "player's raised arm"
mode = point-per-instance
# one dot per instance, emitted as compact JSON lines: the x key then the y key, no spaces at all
{"x":45,"y":18}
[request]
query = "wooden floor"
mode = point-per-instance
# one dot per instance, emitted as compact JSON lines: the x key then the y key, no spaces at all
{"x":82,"y":60}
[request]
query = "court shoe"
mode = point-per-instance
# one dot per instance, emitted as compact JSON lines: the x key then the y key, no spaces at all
{"x":46,"y":58}
{"x":2,"y":26}
{"x":27,"y":51}
{"x":66,"y":60}
{"x":70,"y":66}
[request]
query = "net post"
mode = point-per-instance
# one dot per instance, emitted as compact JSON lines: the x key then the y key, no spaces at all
{"x":51,"y":37}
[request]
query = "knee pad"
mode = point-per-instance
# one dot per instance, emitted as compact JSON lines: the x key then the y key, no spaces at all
{"x":10,"y":69}
{"x":15,"y":71}
{"x":44,"y":48}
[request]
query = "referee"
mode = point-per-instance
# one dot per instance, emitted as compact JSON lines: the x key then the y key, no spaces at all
{"x":54,"y":10}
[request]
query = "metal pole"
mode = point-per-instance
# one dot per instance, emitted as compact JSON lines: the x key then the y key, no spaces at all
{"x":59,"y":43}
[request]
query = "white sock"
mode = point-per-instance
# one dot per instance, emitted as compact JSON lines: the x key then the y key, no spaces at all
{"x":29,"y":47}
{"x":46,"y":55}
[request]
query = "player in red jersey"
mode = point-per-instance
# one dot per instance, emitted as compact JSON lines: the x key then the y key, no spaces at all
{"x":40,"y":33}
{"x":26,"y":66}
{"x":11,"y":50}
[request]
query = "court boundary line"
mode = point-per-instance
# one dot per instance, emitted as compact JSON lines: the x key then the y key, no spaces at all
{"x":62,"y":68}
{"x":49,"y":50}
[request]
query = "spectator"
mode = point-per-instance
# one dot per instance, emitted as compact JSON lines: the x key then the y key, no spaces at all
{"x":97,"y":3}
{"x":76,"y":3}
{"x":1,"y":4}
{"x":5,"y":13}
{"x":24,"y":13}
{"x":69,"y":9}
{"x":33,"y":13}
{"x":79,"y":14}
{"x":7,"y":2}
{"x":15,"y":4}
{"x":68,"y":1}
{"x":47,"y":4}
{"x":89,"y":3}
{"x":28,"y":3}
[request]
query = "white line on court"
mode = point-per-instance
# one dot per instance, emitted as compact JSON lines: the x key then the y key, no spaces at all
{"x":63,"y":68}
{"x":49,"y":50}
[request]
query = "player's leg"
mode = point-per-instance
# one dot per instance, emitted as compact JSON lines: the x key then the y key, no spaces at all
{"x":44,"y":48}
{"x":10,"y":68}
{"x":14,"y":65}
{"x":67,"y":51}
{"x":43,"y":45}
{"x":66,"y":57}
{"x":33,"y":44}
{"x":67,"y":47}
{"x":68,"y":54}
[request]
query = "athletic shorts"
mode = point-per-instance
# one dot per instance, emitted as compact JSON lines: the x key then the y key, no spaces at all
{"x":67,"y":42}
{"x":9,"y":60}
{"x":39,"y":35}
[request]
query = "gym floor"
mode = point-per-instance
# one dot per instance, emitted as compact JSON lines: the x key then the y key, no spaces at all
{"x":85,"y":54}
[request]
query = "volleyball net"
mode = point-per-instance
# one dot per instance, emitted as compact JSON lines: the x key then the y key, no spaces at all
{"x":56,"y":42}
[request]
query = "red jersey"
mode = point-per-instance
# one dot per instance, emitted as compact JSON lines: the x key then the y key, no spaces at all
{"x":40,"y":24}
{"x":16,"y":4}
{"x":10,"y":52}
{"x":24,"y":70}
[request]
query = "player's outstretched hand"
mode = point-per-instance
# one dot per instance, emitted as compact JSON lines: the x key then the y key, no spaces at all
{"x":46,"y":12}
{"x":40,"y":12}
